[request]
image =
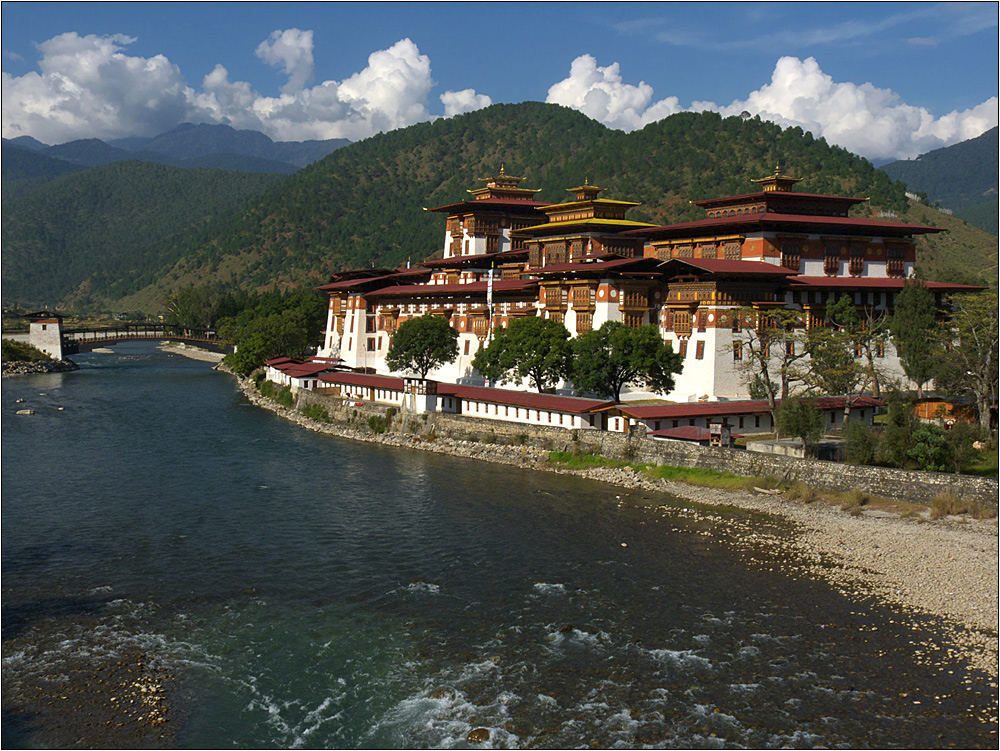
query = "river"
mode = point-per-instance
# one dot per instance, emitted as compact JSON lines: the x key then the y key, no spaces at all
{"x":278,"y":588}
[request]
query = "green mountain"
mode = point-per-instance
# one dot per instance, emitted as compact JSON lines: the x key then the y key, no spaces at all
{"x":100,"y":234}
{"x":963,"y":178}
{"x":362,"y":204}
{"x":23,"y":169}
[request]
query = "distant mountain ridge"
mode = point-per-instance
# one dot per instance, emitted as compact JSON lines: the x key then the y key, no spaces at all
{"x":190,"y":145}
{"x":962,"y":178}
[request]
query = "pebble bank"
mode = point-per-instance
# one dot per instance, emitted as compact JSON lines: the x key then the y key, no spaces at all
{"x":947,"y":568}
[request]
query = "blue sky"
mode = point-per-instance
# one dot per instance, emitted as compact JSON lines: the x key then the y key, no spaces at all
{"x":887,"y":80}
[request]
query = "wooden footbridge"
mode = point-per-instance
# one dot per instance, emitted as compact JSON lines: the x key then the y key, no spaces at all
{"x":85,"y":340}
{"x":46,"y":332}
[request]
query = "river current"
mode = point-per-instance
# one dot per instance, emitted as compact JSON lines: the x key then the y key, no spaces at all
{"x":307,"y":591}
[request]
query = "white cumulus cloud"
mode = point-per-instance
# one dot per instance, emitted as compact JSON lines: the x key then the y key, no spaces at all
{"x":466,"y":100}
{"x":600,"y":93}
{"x":291,"y":50}
{"x":90,"y":87}
{"x":87,"y":88}
{"x":862,"y":118}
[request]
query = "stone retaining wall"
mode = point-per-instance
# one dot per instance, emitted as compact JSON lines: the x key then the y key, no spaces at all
{"x":921,"y":487}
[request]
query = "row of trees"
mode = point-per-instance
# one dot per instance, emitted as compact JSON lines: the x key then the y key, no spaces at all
{"x":261,"y":325}
{"x":539,"y":350}
{"x":957,"y":350}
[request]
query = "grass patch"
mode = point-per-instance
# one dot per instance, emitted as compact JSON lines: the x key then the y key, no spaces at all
{"x":583,"y":461}
{"x":950,"y":504}
{"x":854,"y":502}
{"x":15,"y":351}
{"x":802,"y":492}
{"x":986,"y":465}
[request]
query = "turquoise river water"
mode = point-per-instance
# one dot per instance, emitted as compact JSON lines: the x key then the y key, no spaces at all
{"x":298,"y":590}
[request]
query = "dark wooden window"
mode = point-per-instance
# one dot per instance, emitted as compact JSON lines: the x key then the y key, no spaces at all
{"x":831,"y":260}
{"x":737,"y":350}
{"x":699,"y":352}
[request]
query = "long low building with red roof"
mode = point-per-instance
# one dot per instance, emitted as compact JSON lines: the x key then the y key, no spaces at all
{"x":707,"y":284}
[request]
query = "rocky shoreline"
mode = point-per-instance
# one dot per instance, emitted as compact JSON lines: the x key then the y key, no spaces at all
{"x":946,"y":568}
{"x":22,"y":367}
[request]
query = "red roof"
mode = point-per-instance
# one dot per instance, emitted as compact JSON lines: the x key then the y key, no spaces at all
{"x":874,"y":282}
{"x":385,"y":279}
{"x":743,"y":407}
{"x":527,"y":399}
{"x":305,"y":369}
{"x":773,"y":219}
{"x":278,"y":360}
{"x":364,"y":379}
{"x":780,"y":195}
{"x":687,"y":433}
{"x":617,"y":264}
{"x":503,"y":203}
{"x":451,"y":290}
{"x":723,"y":266}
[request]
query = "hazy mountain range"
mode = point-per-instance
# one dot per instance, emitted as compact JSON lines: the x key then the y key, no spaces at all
{"x":188,"y":145}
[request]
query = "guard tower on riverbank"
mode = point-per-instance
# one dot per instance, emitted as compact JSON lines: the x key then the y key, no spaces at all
{"x":45,"y":330}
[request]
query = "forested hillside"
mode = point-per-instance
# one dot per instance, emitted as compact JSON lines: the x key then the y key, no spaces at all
{"x":962,"y":178}
{"x":100,"y":234}
{"x":362,"y":204}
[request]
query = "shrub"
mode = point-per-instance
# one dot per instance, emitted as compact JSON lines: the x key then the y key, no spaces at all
{"x":855,"y":500}
{"x":315,"y":412}
{"x":951,"y":504}
{"x":285,"y":398}
{"x":377,"y":423}
{"x":802,"y":492}
{"x":266,"y":389}
{"x":862,"y":443}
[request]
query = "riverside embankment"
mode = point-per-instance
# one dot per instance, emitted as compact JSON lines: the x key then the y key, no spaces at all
{"x":946,"y":567}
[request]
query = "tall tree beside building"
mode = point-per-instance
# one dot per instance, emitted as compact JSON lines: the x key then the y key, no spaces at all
{"x":615,"y":356}
{"x":969,"y":368}
{"x":800,"y":418}
{"x":422,"y":344}
{"x":534,"y":348}
{"x":868,"y":331}
{"x":766,"y":349}
{"x":915,"y":332}
{"x":833,"y":367}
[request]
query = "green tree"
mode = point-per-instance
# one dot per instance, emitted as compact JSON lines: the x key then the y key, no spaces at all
{"x":531,"y":347}
{"x":867,"y":329}
{"x":960,"y":440}
{"x":614,"y":356}
{"x":770,"y":346}
{"x":862,"y":442}
{"x":897,"y":430}
{"x":930,"y":449}
{"x":833,"y":367}
{"x":915,"y":332}
{"x":266,"y":337}
{"x":422,"y":344}
{"x":969,"y":368}
{"x":800,"y":418}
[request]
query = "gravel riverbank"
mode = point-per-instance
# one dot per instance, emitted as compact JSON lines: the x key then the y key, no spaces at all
{"x":947,"y":568}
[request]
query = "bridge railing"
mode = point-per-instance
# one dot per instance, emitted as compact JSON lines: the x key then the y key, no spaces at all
{"x":139,"y":331}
